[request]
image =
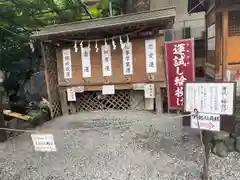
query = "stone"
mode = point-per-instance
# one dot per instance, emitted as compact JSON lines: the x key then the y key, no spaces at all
{"x":220,"y":149}
{"x":230,"y":143}
{"x":220,"y":136}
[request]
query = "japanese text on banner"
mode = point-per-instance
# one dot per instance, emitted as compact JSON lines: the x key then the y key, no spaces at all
{"x":67,"y":63}
{"x":179,"y":64}
{"x":151,"y":57}
{"x":86,"y":63}
{"x":127,"y":59}
{"x":180,"y":69}
{"x":106,"y":60}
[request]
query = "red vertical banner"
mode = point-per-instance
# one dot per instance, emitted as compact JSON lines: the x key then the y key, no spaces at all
{"x":180,"y":68}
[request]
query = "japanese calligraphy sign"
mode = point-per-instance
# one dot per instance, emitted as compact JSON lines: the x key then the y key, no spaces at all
{"x":106,"y":60}
{"x":67,"y":63}
{"x":127,"y":59}
{"x":214,"y":98}
{"x":86,"y":63}
{"x":44,"y":142}
{"x":211,"y":122}
{"x":149,"y":91}
{"x":71,"y":94}
{"x":151,"y":57}
{"x":179,"y":69}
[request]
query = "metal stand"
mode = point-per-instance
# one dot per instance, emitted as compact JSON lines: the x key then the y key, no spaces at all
{"x":205,"y":138}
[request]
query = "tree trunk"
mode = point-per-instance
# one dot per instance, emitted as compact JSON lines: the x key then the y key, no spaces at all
{"x":133,"y":6}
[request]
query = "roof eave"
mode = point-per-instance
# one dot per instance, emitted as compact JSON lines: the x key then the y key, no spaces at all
{"x":44,"y":33}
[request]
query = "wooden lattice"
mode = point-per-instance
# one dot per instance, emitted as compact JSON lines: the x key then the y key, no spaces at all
{"x":234,"y":23}
{"x":51,"y":76}
{"x":92,"y":101}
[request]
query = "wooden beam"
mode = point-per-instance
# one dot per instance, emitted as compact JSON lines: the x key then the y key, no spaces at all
{"x":225,"y":42}
{"x":218,"y":40}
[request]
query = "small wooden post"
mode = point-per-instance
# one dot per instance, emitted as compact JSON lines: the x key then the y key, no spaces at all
{"x":158,"y":100}
{"x":207,"y":146}
{"x":63,"y":100}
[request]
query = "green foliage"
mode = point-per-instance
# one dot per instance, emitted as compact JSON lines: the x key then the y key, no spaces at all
{"x":20,"y":18}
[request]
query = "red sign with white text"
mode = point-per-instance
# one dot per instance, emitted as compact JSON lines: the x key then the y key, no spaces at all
{"x":180,"y":68}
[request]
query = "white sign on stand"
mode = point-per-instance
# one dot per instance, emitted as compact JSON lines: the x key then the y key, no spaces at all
{"x":209,"y":122}
{"x":213,"y":98}
{"x":43,"y":142}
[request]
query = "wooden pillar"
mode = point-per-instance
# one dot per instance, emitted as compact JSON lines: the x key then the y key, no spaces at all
{"x":158,"y":100}
{"x":218,"y":42}
{"x":225,"y":41}
{"x":51,"y":78}
{"x":63,"y":98}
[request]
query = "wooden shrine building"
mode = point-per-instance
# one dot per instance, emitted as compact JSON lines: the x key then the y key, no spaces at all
{"x":222,"y":36}
{"x":107,"y":63}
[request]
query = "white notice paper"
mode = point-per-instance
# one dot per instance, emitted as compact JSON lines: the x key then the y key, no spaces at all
{"x":149,"y":91}
{"x":108,"y":89}
{"x":151,"y":57}
{"x":71,"y":95}
{"x":86,"y":63}
{"x":127,"y":59}
{"x":209,"y":122}
{"x":106,"y":60}
{"x":211,"y":31}
{"x":67,"y":63}
{"x":43,"y":142}
{"x":214,"y":98}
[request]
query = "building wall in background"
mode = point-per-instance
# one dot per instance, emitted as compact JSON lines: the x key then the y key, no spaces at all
{"x":195,"y":21}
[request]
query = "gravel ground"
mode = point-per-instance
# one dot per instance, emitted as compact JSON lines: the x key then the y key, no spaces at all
{"x":114,"y":145}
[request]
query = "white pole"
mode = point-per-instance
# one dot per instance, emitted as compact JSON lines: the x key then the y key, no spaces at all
{"x":110,"y":8}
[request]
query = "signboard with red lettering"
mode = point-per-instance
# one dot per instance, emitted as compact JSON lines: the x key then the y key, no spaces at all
{"x":180,"y":68}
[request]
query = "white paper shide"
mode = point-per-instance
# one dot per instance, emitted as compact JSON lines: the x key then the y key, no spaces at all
{"x":127,"y":59}
{"x":43,"y":142}
{"x":151,"y":57}
{"x":108,"y":89}
{"x":149,"y":91}
{"x":205,"y":121}
{"x":106,"y":60}
{"x":86,"y":63}
{"x":214,"y":98}
{"x":71,"y":94}
{"x":67,"y":63}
